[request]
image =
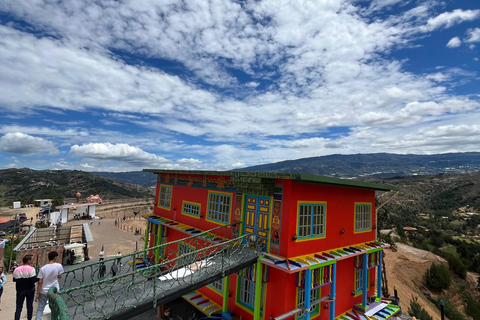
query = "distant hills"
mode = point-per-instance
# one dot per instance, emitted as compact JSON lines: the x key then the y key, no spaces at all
{"x":376,"y":165}
{"x":25,"y":185}
{"x":346,"y":166}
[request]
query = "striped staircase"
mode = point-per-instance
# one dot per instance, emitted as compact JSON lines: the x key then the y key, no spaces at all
{"x":202,"y":303}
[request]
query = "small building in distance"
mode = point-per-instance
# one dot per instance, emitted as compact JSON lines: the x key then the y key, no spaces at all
{"x":320,"y":257}
{"x":42,"y":202}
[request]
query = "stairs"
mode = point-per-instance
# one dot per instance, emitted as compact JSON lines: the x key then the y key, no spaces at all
{"x":76,"y":233}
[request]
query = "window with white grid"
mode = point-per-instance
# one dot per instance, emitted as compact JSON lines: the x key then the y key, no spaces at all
{"x":165,"y":197}
{"x":311,"y":220}
{"x":219,"y":207}
{"x":363,"y":217}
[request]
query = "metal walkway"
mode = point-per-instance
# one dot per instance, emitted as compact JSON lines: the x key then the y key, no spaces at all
{"x":92,"y":292}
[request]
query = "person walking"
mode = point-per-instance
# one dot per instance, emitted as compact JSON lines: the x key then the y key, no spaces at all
{"x":25,"y":278}
{"x":48,"y":277}
{"x":3,"y":280}
{"x":119,"y":259}
{"x":101,"y":271}
{"x":101,"y":254}
{"x":114,"y":269}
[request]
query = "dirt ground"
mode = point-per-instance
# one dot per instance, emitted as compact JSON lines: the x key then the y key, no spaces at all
{"x":405,"y":270}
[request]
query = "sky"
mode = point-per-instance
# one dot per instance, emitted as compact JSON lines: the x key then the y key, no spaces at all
{"x":218,"y":85}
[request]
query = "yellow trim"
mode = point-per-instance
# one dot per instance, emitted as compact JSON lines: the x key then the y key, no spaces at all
{"x":215,"y":290}
{"x":171,"y":197}
{"x":191,"y":215}
{"x":230,"y":211}
{"x":360,"y":291}
{"x":269,"y":236}
{"x":324,"y":203}
{"x":304,"y":256}
{"x":355,"y":217}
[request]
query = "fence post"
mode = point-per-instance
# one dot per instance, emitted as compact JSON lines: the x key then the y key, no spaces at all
{"x":57,"y":305}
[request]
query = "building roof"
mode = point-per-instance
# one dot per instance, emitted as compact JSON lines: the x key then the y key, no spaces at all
{"x":255,"y":177}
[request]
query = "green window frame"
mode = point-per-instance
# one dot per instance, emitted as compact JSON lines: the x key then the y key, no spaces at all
{"x":311,"y":220}
{"x":191,"y":209}
{"x":363,"y":217}
{"x":219,"y":207}
{"x":165,"y":197}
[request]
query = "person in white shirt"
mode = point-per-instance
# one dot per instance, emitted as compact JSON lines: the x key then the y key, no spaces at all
{"x":48,"y":277}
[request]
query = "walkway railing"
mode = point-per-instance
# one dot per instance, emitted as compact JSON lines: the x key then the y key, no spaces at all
{"x":93,"y":292}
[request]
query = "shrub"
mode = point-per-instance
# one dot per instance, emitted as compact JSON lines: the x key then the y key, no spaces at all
{"x":472,"y":306}
{"x":456,"y":265}
{"x":451,"y":311}
{"x":437,"y":277}
{"x":417,"y":311}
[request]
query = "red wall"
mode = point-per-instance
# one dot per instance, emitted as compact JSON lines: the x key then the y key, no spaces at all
{"x":340,"y":213}
{"x":190,"y":194}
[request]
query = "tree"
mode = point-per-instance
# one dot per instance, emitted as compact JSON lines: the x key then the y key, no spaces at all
{"x":417,"y":311}
{"x":437,"y":277}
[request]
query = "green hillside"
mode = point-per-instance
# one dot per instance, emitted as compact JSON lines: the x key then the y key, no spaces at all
{"x":25,"y":185}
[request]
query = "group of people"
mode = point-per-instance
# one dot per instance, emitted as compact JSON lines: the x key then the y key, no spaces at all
{"x":25,"y":278}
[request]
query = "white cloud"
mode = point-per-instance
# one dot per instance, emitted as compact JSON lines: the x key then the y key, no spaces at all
{"x":473,"y":35}
{"x":118,"y":153}
{"x":307,"y":67}
{"x":449,"y":19}
{"x":454,"y":42}
{"x":438,"y":77}
{"x":20,"y":143}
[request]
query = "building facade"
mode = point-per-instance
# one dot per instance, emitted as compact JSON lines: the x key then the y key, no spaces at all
{"x":320,"y":258}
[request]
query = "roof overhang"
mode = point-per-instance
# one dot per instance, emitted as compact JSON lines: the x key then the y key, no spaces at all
{"x":262,"y":177}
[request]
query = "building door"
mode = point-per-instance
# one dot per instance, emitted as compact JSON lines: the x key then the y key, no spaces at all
{"x":256,"y":217}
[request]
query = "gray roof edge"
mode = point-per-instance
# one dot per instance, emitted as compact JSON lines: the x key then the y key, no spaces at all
{"x":293,"y":176}
{"x":21,"y":243}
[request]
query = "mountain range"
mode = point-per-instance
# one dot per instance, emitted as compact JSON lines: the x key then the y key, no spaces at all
{"x":346,"y":166}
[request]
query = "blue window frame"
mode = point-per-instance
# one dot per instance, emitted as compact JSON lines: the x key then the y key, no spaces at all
{"x":363,"y":217}
{"x":217,"y":285}
{"x":314,"y":295}
{"x":246,"y":293}
{"x":311,"y":220}
{"x":191,"y":209}
{"x":165,"y":197}
{"x":185,"y":249}
{"x":219,"y":207}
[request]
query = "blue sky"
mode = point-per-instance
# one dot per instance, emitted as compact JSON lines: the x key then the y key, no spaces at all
{"x":216,"y":85}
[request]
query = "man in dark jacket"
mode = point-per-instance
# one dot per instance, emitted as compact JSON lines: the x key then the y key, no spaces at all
{"x":25,"y":278}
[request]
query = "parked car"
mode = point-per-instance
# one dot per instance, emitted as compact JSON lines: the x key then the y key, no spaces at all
{"x":22,"y":215}
{"x":45,"y":210}
{"x":72,"y":204}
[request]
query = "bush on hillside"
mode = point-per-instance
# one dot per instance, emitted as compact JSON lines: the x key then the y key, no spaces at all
{"x":472,"y":306}
{"x":437,"y":278}
{"x":417,"y":311}
{"x":451,"y":311}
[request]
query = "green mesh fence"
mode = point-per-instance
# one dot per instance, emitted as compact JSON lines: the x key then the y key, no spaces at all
{"x":94,"y":292}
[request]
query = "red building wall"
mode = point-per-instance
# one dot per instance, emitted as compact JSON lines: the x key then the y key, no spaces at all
{"x":190,"y":194}
{"x":340,"y":214}
{"x":281,"y":291}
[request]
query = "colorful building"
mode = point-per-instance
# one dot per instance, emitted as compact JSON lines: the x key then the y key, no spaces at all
{"x":320,"y":255}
